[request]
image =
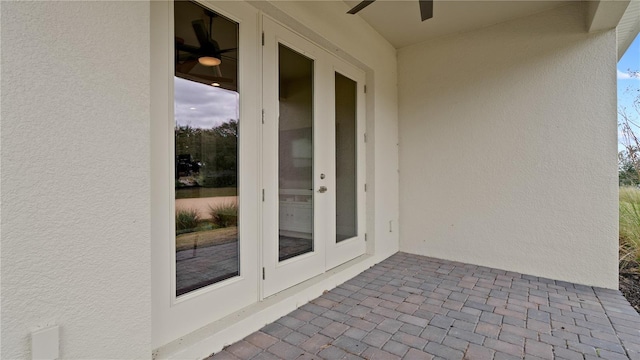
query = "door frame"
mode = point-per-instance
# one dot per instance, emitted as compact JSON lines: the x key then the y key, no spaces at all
{"x":279,"y":275}
{"x":327,"y":254}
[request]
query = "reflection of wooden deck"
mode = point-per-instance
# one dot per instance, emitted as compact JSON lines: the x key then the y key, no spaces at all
{"x":202,"y":204}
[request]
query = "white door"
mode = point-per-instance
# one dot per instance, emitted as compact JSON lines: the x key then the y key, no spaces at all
{"x":312,"y":154}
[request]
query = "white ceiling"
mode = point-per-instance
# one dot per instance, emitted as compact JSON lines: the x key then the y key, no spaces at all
{"x":399,"y":20}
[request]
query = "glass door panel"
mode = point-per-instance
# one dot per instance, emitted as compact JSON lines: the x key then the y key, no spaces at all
{"x":346,"y":158}
{"x":295,"y":153}
{"x":347,"y":138}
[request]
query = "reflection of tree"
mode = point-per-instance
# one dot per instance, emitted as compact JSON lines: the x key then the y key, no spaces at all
{"x":214,"y":152}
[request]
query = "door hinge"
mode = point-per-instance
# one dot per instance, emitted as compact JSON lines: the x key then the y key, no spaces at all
{"x":365,"y":187}
{"x":263,"y":38}
{"x":262,"y":195}
{"x":365,"y":89}
{"x":365,"y":236}
{"x":263,"y":274}
{"x":365,"y":137}
{"x":263,"y":116}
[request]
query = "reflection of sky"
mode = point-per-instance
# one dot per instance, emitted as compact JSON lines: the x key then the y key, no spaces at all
{"x":203,"y":106}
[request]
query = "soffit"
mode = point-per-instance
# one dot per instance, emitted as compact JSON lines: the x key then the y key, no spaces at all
{"x":628,"y":27}
{"x":399,"y":20}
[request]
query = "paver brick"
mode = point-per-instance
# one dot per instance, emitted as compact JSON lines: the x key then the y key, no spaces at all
{"x":511,"y":338}
{"x":276,"y":330}
{"x":356,"y":333}
{"x":261,"y":339}
{"x":564,"y":353}
{"x":350,"y":345}
{"x":414,"y":320}
{"x":433,"y":333}
{"x":336,"y":316}
{"x":601,"y":344}
{"x":538,"y":349}
{"x":334,"y":330}
{"x":463,"y":325}
{"x":455,"y":343}
{"x":361,"y":324}
{"x":443,"y":351}
{"x":243,"y":349}
{"x":285,"y":351}
{"x":504,"y":347}
{"x":267,"y":356}
{"x":390,"y":325}
{"x":376,"y":338}
{"x":467,"y":335}
{"x":409,"y":340}
{"x":296,"y":338}
{"x":332,"y":352}
{"x":414,"y":354}
{"x":395,"y":347}
{"x":316,"y":343}
{"x":477,"y":352}
{"x":411,"y":329}
{"x":377,"y":354}
{"x":290,"y":322}
{"x":309,"y":329}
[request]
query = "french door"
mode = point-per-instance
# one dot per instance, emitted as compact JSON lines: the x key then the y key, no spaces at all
{"x":312,"y":159}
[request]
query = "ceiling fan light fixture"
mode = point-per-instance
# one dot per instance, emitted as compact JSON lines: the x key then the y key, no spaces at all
{"x":209,"y":61}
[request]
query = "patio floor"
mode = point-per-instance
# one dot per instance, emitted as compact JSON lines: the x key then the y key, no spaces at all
{"x":415,"y":307}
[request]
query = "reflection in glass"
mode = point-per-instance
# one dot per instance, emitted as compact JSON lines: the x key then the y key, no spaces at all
{"x":206,"y":111}
{"x":295,"y":155}
{"x":346,"y":163}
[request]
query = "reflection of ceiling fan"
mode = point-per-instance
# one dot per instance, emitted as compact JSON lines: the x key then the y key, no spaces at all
{"x":207,"y":54}
{"x":426,"y":8}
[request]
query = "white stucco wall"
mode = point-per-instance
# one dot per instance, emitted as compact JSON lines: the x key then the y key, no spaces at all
{"x":75,"y":177}
{"x":508,"y":148}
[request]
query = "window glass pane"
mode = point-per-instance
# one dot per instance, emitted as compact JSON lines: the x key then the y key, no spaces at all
{"x":295,"y":155}
{"x":206,"y":110}
{"x":346,"y":159}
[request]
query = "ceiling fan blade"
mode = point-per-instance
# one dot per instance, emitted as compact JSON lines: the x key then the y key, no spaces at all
{"x":186,"y":66}
{"x":426,"y":9}
{"x":201,"y":33}
{"x":360,"y":6}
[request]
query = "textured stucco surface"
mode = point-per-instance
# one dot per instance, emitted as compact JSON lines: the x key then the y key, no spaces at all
{"x":508,"y":148}
{"x":75,"y":177}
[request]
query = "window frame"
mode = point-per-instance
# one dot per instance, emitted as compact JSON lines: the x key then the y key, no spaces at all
{"x":174,"y":316}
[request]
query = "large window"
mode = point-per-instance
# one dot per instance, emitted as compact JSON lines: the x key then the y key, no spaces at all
{"x":206,"y":113}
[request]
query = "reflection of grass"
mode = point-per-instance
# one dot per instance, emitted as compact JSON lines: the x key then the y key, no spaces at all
{"x":206,"y":238}
{"x":198,"y":192}
{"x":224,"y":215}
{"x":187,"y":220}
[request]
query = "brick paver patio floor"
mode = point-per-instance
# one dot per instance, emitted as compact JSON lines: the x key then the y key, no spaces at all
{"x":414,"y":307}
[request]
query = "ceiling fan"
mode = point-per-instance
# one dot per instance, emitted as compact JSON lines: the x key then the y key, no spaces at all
{"x":426,"y":8}
{"x":207,"y":54}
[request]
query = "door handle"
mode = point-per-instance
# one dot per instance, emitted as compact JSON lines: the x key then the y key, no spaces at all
{"x":323,"y":189}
